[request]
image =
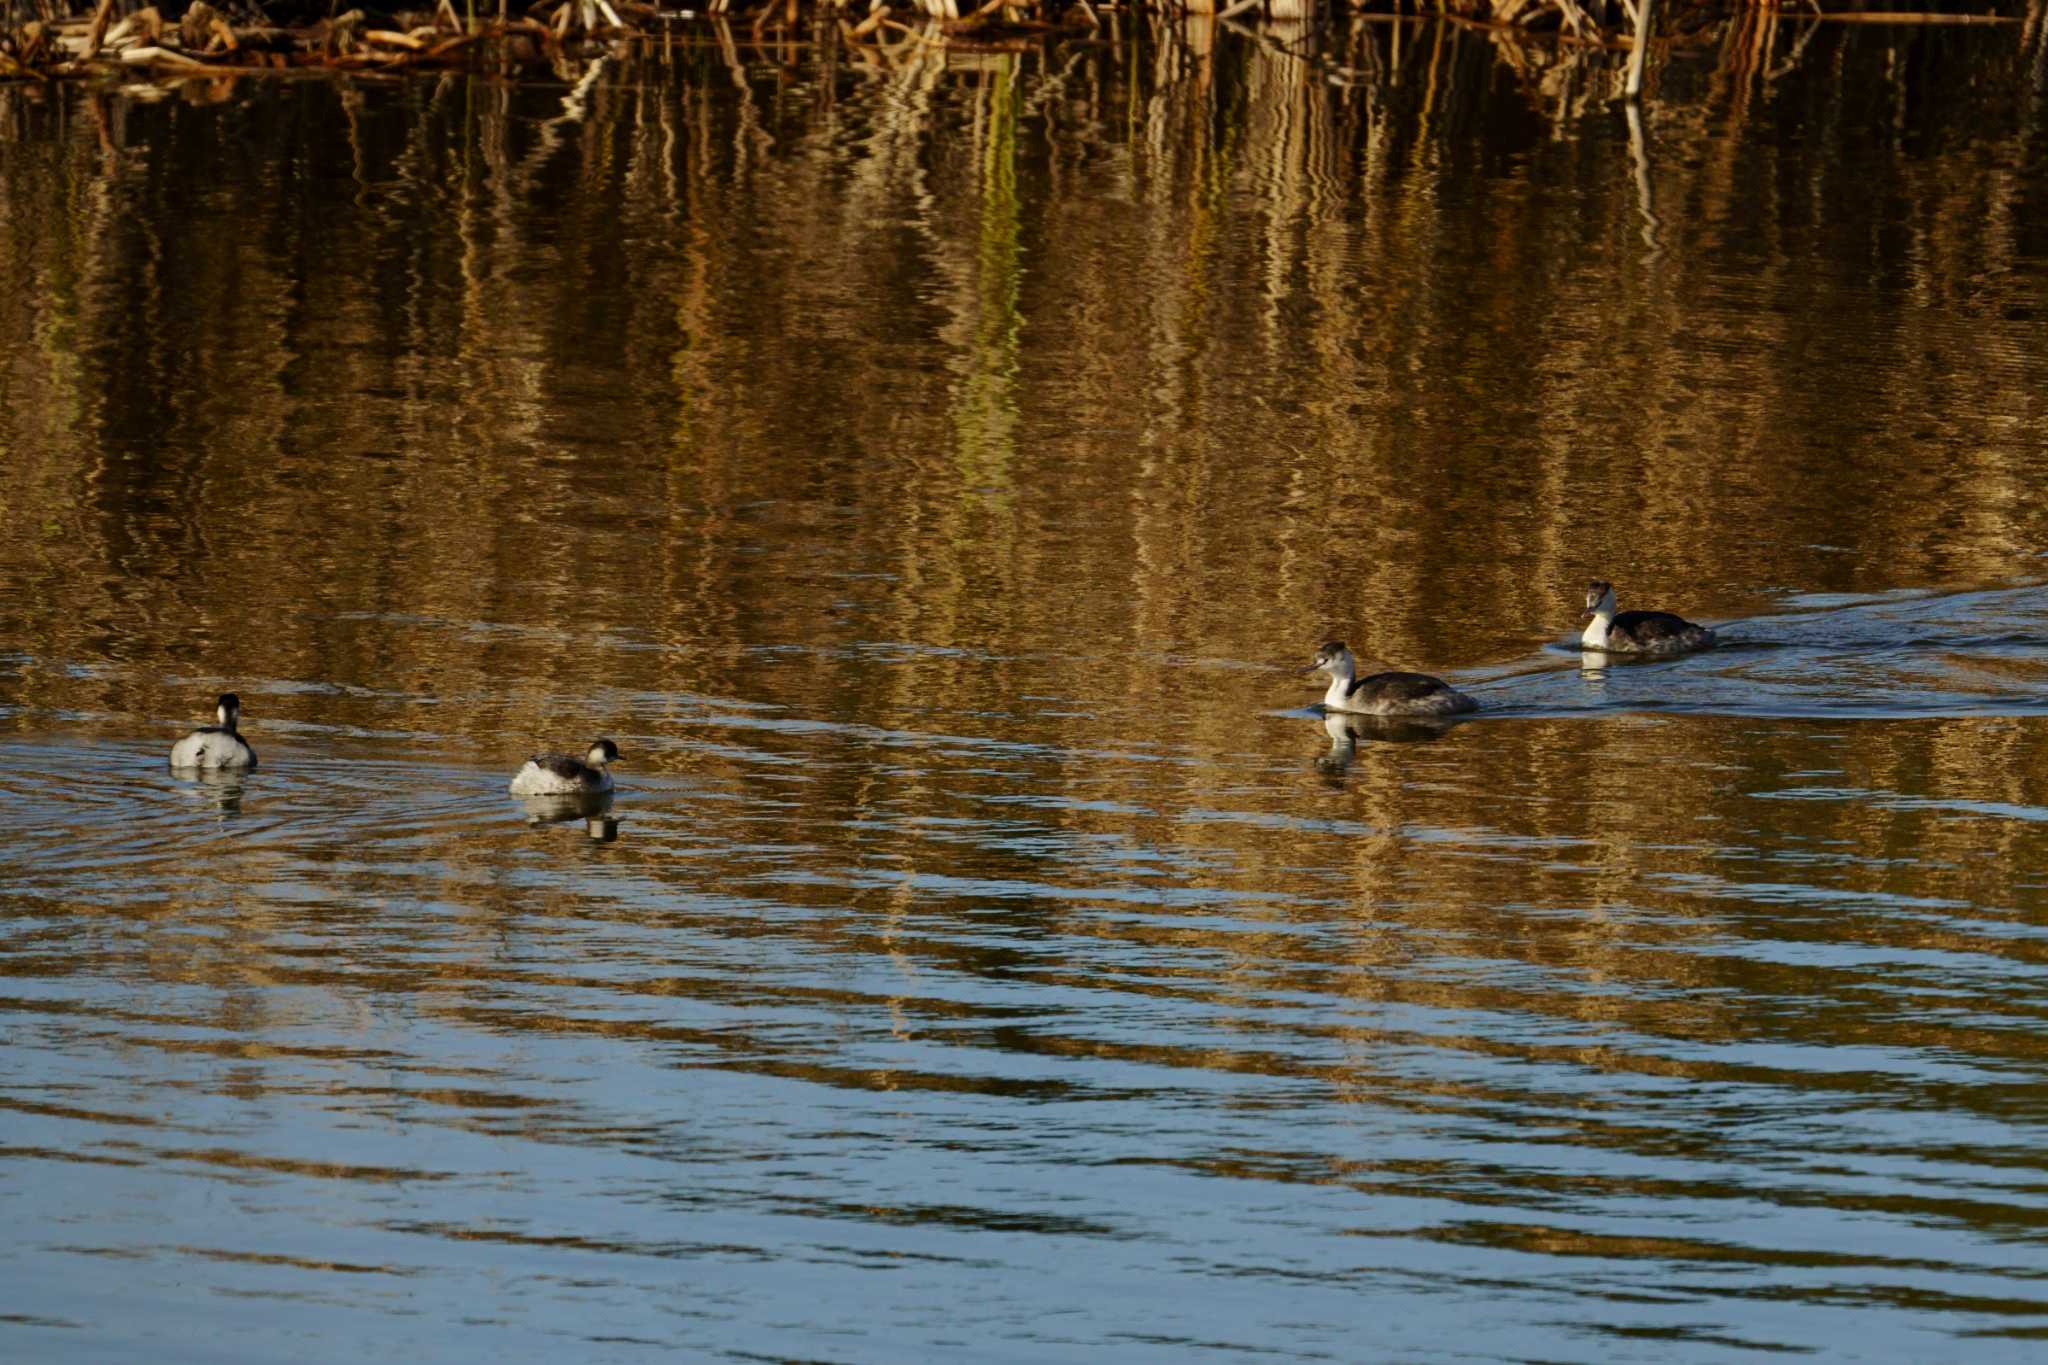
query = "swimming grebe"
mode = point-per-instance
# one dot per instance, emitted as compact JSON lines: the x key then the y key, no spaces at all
{"x":1636,"y":632}
{"x":561,"y":775}
{"x":1383,"y":694}
{"x":216,"y":746}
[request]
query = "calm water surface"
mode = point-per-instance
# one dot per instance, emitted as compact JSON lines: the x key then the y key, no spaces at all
{"x":930,"y":473}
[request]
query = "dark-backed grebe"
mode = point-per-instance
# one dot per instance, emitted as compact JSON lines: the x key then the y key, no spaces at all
{"x":216,"y":746}
{"x":561,"y":775}
{"x":1636,"y":632}
{"x":1386,"y":693}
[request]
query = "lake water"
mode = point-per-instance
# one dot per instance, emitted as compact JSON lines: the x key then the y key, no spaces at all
{"x":932,"y":472}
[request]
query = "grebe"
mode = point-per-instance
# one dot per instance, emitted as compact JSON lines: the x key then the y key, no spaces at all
{"x":1383,"y":694}
{"x":1636,"y":632}
{"x":216,"y":746}
{"x":561,"y":775}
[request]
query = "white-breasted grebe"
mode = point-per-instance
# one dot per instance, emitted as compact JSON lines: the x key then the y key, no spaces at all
{"x":1636,"y":632}
{"x":561,"y":775}
{"x":1385,"y":693}
{"x":216,"y":746}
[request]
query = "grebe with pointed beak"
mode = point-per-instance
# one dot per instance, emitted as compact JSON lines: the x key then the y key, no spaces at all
{"x":1636,"y":632}
{"x":1383,"y":693}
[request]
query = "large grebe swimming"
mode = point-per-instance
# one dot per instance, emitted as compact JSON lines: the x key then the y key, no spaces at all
{"x":216,"y":746}
{"x":1636,"y":632}
{"x":1385,"y":693}
{"x":561,"y":775}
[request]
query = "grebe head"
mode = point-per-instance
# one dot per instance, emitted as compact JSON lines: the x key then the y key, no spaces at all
{"x":227,"y":709}
{"x":601,"y":753}
{"x":1332,"y":658}
{"x":1599,"y":599}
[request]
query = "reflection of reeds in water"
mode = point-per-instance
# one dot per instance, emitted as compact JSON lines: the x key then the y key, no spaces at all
{"x":966,"y":302}
{"x":987,"y":340}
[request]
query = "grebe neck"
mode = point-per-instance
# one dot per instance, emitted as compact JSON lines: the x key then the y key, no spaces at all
{"x":1343,"y":669}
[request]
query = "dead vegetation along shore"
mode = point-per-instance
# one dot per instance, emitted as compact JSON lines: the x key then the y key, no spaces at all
{"x":551,"y":34}
{"x":202,"y":39}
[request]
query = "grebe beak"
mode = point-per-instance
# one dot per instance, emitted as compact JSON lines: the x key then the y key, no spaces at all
{"x":1315,"y":667}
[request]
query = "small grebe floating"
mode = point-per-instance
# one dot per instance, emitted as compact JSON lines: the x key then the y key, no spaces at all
{"x":1384,"y":694}
{"x":1637,"y":632}
{"x":561,"y":775}
{"x":216,"y":746}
